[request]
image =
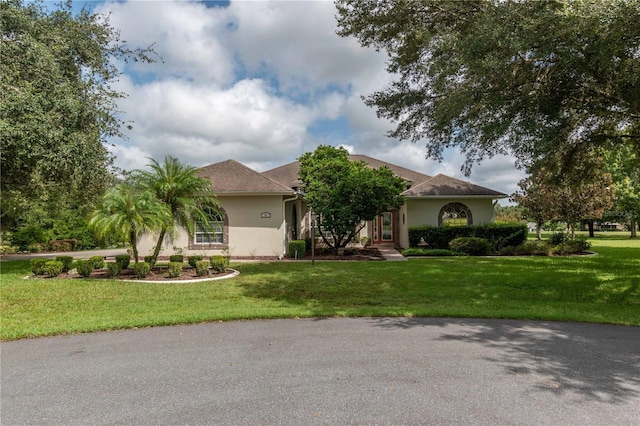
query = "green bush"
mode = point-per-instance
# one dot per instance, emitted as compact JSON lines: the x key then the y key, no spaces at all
{"x":84,"y":267}
{"x":28,"y":237}
{"x":297,"y":249}
{"x":123,"y":260}
{"x":150,"y":260}
{"x":193,"y":259}
{"x":176,"y":258}
{"x":219,"y":263}
{"x":97,"y":262}
{"x":499,"y":235}
{"x":53,"y":268}
{"x":37,"y":266}
{"x":472,"y":246}
{"x":67,"y":262}
{"x":141,"y":269}
{"x":428,"y":252}
{"x":113,"y":269}
{"x":529,"y":248}
{"x":202,"y":268}
{"x":557,"y":238}
{"x":577,"y":246}
{"x":175,"y":269}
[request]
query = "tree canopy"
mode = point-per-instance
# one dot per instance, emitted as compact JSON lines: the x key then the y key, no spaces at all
{"x":524,"y":78}
{"x":58,"y":107}
{"x":344,"y":193}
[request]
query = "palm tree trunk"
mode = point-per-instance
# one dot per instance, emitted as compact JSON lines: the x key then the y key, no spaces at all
{"x":156,"y":250}
{"x":134,"y":245}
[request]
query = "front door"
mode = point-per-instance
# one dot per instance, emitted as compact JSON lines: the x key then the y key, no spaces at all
{"x":383,"y":228}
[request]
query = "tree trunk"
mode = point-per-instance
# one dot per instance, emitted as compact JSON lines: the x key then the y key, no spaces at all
{"x":134,"y":246}
{"x":633,"y":227}
{"x":590,"y":224}
{"x":156,"y":250}
{"x":538,"y":231}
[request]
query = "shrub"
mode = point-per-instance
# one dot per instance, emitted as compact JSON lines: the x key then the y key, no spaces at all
{"x":123,"y":260}
{"x":84,"y":267}
{"x":202,"y":268}
{"x":176,"y":258}
{"x":297,"y":249}
{"x":577,"y":246}
{"x":37,"y":266}
{"x":97,"y":262}
{"x":530,"y":248}
{"x":428,"y":252}
{"x":67,"y":262}
{"x":175,"y":269}
{"x":141,"y":269}
{"x":557,"y":238}
{"x":438,"y":237}
{"x":63,"y":245}
{"x":27,"y":237}
{"x":193,"y":259}
{"x":150,"y":260}
{"x":8,"y":249}
{"x":53,"y":268}
{"x":219,"y":263}
{"x":114,"y":268}
{"x":473,"y":246}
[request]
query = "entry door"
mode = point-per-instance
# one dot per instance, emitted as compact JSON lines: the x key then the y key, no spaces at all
{"x":383,"y":228}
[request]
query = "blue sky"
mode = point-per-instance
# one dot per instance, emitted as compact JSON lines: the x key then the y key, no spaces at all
{"x":261,"y":82}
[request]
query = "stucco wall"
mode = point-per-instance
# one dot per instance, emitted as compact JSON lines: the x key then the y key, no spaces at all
{"x":249,"y":234}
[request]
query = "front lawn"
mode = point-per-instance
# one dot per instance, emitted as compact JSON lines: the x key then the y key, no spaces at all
{"x":603,"y":288}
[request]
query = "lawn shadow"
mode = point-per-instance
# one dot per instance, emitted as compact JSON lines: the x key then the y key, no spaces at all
{"x":596,"y":362}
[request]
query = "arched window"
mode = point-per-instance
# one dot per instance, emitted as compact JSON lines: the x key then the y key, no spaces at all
{"x":214,"y":233}
{"x":455,"y":214}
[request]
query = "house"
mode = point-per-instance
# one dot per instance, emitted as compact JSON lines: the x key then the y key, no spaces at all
{"x":262,"y":212}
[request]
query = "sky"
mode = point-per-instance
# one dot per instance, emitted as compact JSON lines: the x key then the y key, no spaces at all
{"x":260,"y":82}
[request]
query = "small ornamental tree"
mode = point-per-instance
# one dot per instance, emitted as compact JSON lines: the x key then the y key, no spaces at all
{"x":345,"y":194}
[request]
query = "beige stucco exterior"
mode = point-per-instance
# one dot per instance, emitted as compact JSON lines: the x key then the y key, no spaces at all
{"x":255,"y":226}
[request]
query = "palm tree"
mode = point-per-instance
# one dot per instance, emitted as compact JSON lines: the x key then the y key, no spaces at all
{"x":188,"y":197}
{"x":128,"y":213}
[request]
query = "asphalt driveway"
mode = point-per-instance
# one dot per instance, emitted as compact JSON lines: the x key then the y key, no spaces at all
{"x":329,"y":371}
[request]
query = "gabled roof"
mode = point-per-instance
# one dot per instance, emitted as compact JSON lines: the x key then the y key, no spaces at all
{"x":232,"y":177}
{"x":442,"y":186}
{"x":288,"y":174}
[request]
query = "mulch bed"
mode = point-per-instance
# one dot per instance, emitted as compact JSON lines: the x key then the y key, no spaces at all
{"x":156,"y":274}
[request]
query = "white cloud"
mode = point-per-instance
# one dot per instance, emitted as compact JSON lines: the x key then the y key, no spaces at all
{"x":250,"y":80}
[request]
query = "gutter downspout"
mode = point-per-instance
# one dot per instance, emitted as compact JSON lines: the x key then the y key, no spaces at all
{"x":284,"y":224}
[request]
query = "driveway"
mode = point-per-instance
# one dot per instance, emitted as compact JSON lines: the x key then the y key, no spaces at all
{"x":329,"y":371}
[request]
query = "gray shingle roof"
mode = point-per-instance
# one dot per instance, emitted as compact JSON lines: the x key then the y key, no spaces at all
{"x":232,"y":177}
{"x":288,"y":174}
{"x":442,"y":185}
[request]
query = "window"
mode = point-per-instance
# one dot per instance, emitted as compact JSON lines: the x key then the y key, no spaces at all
{"x":455,"y":214}
{"x":212,"y":234}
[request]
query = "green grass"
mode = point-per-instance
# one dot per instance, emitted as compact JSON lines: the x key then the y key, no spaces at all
{"x":603,"y":289}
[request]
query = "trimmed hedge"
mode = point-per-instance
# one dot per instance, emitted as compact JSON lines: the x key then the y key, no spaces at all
{"x":472,"y":246}
{"x":123,"y":260}
{"x":97,"y":262}
{"x":175,"y":269}
{"x":219,"y":263}
{"x":37,"y":265}
{"x":297,"y":249}
{"x":202,"y":267}
{"x":84,"y":267}
{"x":194,"y":259}
{"x":67,"y":262}
{"x":53,"y":268}
{"x":176,"y":258}
{"x":499,"y":235}
{"x":141,"y":269}
{"x":114,"y":268}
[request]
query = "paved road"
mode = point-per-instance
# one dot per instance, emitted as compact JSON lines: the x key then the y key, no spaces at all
{"x":329,"y":371}
{"x":85,"y":254}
